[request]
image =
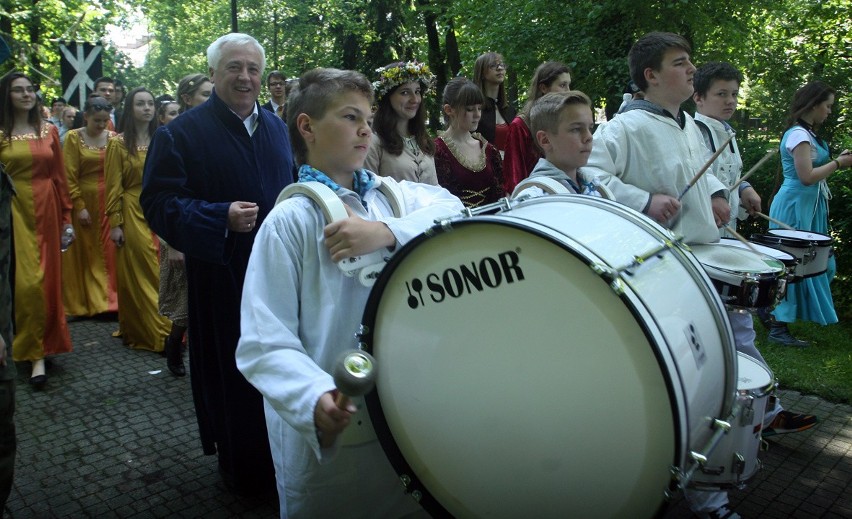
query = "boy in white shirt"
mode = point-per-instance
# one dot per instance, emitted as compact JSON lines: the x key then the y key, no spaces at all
{"x":299,"y":311}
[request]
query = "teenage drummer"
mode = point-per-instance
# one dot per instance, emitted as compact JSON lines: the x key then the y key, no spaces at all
{"x":649,"y":153}
{"x":562,"y":124}
{"x":300,"y":311}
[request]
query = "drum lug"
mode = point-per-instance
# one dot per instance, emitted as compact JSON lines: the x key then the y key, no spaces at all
{"x":611,"y":276}
{"x":721,"y":424}
{"x":697,"y":457}
{"x":739,"y":464}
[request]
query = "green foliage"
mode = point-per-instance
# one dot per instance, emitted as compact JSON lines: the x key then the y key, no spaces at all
{"x":779,"y":45}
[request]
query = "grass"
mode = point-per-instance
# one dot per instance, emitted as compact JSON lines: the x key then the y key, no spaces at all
{"x":824,"y":369}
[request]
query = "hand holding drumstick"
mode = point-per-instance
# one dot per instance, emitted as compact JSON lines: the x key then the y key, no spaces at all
{"x":354,"y":375}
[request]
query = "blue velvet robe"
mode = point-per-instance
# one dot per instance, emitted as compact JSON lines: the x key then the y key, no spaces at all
{"x":196,"y":167}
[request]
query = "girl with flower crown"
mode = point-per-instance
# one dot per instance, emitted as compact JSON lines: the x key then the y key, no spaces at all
{"x":401,"y":147}
{"x":468,"y":166}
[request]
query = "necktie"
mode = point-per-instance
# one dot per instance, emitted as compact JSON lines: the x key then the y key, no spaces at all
{"x":280,"y":111}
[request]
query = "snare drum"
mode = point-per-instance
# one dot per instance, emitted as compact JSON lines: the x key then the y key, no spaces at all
{"x":735,"y":459}
{"x":537,"y":362}
{"x":787,"y":259}
{"x":811,"y":249}
{"x":744,"y":279}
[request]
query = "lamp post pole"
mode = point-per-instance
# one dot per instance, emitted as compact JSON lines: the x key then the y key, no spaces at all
{"x":234,"y":16}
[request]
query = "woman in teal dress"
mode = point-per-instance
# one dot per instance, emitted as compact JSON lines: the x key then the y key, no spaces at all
{"x":802,"y":202}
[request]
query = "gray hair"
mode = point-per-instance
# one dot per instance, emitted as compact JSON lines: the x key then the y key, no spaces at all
{"x":214,"y":51}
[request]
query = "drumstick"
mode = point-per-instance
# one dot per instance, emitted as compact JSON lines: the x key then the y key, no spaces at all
{"x":705,"y":167}
{"x":354,"y":375}
{"x":740,"y":237}
{"x":754,"y":168}
{"x":776,"y":222}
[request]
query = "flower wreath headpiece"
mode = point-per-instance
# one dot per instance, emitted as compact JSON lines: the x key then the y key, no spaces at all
{"x":394,"y":75}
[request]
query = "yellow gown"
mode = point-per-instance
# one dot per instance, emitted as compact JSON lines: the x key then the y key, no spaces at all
{"x":39,"y":210}
{"x":88,"y":266}
{"x":138,"y":260}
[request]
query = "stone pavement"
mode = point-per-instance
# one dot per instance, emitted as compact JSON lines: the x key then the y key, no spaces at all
{"x":114,"y":435}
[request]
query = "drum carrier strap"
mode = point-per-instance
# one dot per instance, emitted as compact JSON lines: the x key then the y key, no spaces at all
{"x":367,"y":267}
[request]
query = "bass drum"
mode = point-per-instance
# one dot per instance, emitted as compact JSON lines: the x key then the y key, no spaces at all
{"x":560,"y":358}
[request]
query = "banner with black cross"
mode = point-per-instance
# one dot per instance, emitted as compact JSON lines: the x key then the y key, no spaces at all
{"x":81,"y":63}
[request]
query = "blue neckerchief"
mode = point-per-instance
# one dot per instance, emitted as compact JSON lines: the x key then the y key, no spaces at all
{"x":361,"y":183}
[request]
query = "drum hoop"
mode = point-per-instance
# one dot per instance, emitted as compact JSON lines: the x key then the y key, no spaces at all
{"x":797,"y":243}
{"x":385,"y":436}
{"x":820,"y":240}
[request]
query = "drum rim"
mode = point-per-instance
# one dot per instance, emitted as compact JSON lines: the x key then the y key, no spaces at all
{"x":376,"y":413}
{"x":821,"y":240}
{"x":801,"y":243}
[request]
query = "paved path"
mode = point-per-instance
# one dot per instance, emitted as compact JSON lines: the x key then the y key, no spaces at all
{"x":114,"y":435}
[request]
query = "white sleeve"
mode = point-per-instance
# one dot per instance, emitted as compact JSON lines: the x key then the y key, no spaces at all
{"x":608,"y":163}
{"x":424,"y":205}
{"x":270,"y":353}
{"x":796,"y":137}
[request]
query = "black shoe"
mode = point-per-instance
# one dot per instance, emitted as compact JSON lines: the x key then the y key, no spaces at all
{"x":787,"y":422}
{"x":38,"y":381}
{"x":174,"y":358}
{"x":779,"y":333}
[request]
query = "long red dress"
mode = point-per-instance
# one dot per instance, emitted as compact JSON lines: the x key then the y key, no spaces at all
{"x":39,"y":211}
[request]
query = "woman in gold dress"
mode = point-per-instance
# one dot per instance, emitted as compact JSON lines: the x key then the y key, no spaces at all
{"x":41,"y":222}
{"x":88,"y":268}
{"x":137,"y":260}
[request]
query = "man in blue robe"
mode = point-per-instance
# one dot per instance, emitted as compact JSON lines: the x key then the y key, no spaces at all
{"x":211,"y":177}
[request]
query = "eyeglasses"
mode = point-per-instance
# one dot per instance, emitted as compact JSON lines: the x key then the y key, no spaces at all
{"x":21,"y":90}
{"x":498,"y":65}
{"x":276,"y":84}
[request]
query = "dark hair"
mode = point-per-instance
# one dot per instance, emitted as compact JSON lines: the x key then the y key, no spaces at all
{"x":188,"y":86}
{"x":384,"y":124}
{"x":7,"y":115}
{"x":96,"y":104}
{"x":545,"y":74}
{"x":289,"y":85}
{"x":482,"y":64}
{"x":276,"y":73}
{"x":547,"y":110}
{"x":161,"y":109}
{"x":128,"y":125}
{"x":648,"y":52}
{"x":461,"y":92}
{"x":103,"y":79}
{"x":58,"y":100}
{"x":806,"y":98}
{"x":712,"y":71}
{"x":317,"y":90}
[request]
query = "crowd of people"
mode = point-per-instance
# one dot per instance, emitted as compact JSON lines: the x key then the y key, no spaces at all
{"x":163,"y":209}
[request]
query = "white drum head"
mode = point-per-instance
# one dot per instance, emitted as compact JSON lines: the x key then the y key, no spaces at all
{"x":802,"y":235}
{"x":752,"y":374}
{"x":780,"y":255}
{"x":734,"y":259}
{"x":534,"y":393}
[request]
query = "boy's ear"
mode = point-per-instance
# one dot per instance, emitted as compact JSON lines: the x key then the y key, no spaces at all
{"x":650,"y":75}
{"x":698,"y":98}
{"x":543,"y":140}
{"x":303,"y":123}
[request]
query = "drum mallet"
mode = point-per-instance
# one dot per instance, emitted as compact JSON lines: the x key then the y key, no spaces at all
{"x":704,"y":168}
{"x":354,"y":375}
{"x":754,"y":168}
